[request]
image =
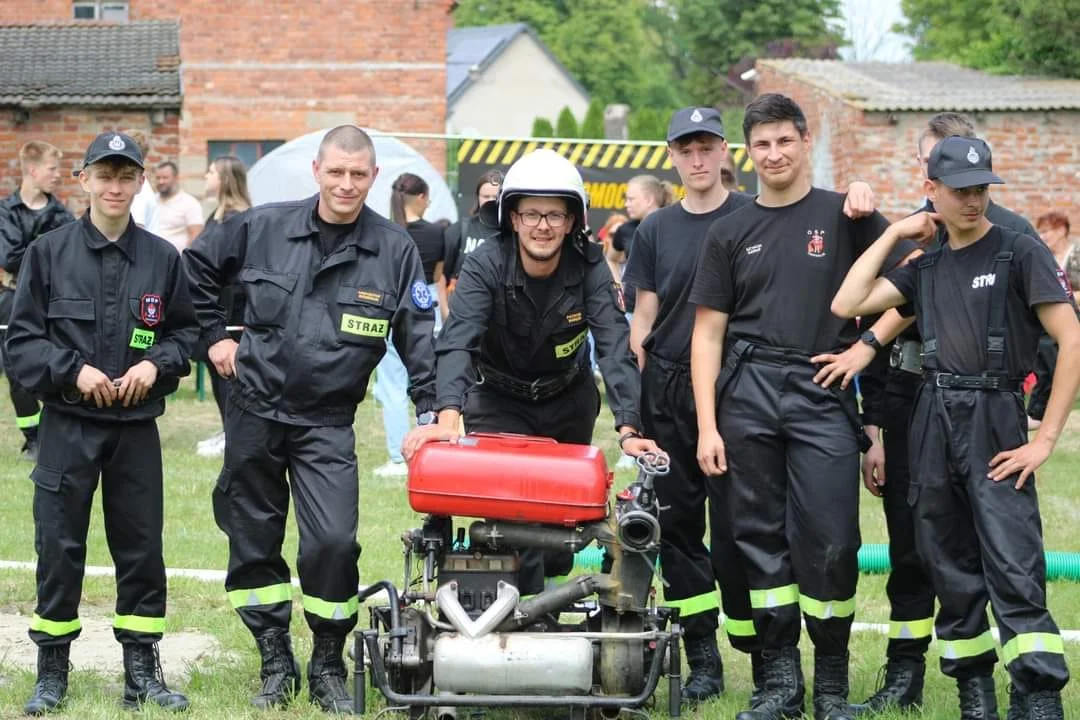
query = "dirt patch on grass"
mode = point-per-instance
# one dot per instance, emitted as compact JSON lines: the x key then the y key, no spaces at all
{"x":96,"y":649}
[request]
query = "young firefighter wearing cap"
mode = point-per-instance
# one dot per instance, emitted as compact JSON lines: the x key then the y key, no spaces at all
{"x":522,"y":308}
{"x":101,"y":330}
{"x":789,"y":448}
{"x":980,"y":302}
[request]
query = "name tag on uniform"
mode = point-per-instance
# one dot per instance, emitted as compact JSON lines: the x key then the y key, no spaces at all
{"x":368,"y":327}
{"x":141,"y":339}
{"x":569,"y":348}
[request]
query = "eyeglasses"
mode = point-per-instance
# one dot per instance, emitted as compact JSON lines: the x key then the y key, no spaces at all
{"x":532,"y":218}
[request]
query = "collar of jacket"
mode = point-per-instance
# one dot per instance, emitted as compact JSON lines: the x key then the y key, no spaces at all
{"x":15,"y":200}
{"x":570,"y":270}
{"x":302,"y":225}
{"x":96,"y":241}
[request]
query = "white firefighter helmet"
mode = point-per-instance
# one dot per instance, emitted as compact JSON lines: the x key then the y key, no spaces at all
{"x":544,"y":173}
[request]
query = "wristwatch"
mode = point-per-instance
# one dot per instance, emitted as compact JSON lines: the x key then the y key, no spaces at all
{"x":427,"y":418}
{"x":870,"y":339}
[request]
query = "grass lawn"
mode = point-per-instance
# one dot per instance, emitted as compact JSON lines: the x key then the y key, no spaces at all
{"x":221,"y":683}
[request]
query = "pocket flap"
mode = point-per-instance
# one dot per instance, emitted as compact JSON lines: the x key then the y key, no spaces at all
{"x":285,"y":281}
{"x":73,"y":308}
{"x":47,"y":478}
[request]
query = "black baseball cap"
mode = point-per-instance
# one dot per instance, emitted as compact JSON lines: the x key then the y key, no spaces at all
{"x":111,"y":144}
{"x":695,"y":120}
{"x":962,"y":162}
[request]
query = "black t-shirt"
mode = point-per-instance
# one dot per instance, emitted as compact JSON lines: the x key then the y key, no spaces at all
{"x":623,"y":237}
{"x":666,"y":251}
{"x":775,"y":271}
{"x":429,"y":240}
{"x":963,"y":284}
{"x":332,"y":234}
{"x":462,"y":238}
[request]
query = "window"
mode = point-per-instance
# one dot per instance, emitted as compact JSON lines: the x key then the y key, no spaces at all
{"x":248,"y":151}
{"x":100,"y":10}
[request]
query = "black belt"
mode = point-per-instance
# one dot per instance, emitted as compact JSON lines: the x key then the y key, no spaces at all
{"x":777,"y":356}
{"x":949,"y":381}
{"x":542,"y":388}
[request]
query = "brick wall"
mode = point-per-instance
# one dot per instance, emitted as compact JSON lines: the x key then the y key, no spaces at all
{"x":1036,"y":153}
{"x":278,"y":69}
{"x":71,"y":130}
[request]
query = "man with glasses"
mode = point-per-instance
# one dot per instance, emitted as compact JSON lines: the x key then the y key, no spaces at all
{"x":512,"y":356}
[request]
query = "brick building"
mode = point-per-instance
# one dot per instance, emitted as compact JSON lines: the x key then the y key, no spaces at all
{"x":249,"y":74}
{"x":865,"y":121}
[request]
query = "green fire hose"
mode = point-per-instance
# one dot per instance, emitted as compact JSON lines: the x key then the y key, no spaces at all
{"x":874,"y":559}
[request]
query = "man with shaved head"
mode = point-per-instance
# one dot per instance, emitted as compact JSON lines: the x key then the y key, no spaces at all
{"x":326,"y":280}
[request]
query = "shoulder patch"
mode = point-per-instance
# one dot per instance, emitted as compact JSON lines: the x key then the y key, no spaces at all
{"x":421,"y":296}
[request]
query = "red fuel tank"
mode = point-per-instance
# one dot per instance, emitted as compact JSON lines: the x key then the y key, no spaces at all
{"x":510,"y":477}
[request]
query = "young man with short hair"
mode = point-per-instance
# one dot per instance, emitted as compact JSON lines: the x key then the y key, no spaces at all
{"x":24,"y":215}
{"x":101,"y":329}
{"x":981,"y":302}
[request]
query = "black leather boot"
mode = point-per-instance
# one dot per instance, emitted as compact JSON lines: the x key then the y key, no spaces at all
{"x":783,"y":688}
{"x":706,"y":679}
{"x":143,"y":681}
{"x":757,"y":673}
{"x":831,"y":688}
{"x":1045,"y":705}
{"x":327,"y":675}
{"x":977,"y":700}
{"x":902,"y":688}
{"x":1018,"y":705}
{"x":280,"y":672}
{"x":52,"y":680}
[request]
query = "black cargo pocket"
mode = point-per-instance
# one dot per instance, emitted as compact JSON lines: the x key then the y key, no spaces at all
{"x":362,"y":317}
{"x":267,"y":296}
{"x":71,"y":309}
{"x":47,"y":478}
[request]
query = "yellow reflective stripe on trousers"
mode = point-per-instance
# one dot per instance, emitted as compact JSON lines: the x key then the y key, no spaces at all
{"x":1031,"y":643}
{"x":332,"y":610}
{"x":266,"y":595}
{"x":774,"y":597}
{"x":827,"y":609}
{"x":694,"y":605}
{"x":30,"y":421}
{"x":966,"y":648}
{"x":139,"y":623}
{"x":54,"y":627}
{"x":911,"y":629}
{"x":739,"y":628}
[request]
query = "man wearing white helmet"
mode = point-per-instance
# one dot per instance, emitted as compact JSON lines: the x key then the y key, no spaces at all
{"x":512,"y":356}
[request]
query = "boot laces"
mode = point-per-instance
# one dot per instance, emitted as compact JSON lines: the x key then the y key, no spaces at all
{"x":893,"y":680}
{"x":147,"y":667}
{"x":1044,"y":706}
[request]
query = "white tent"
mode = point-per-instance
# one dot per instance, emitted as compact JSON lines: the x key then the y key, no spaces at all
{"x":285,"y":174}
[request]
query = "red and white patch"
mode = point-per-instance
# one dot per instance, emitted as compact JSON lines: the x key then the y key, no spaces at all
{"x":815,"y":247}
{"x":1063,"y":278}
{"x":150,"y":309}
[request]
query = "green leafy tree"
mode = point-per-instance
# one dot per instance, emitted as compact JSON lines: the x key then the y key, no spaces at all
{"x":566,"y":124}
{"x":647,"y":124}
{"x":592,"y":127}
{"x":1004,"y":36}
{"x":542,"y":128}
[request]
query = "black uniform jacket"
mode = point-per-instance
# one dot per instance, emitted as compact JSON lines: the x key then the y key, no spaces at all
{"x":315,"y":327}
{"x":19,"y":225}
{"x":493,"y":321}
{"x":82,"y":299}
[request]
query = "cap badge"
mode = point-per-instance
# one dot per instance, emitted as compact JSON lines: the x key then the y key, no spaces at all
{"x":696,"y":115}
{"x":117,"y":143}
{"x":972,"y":156}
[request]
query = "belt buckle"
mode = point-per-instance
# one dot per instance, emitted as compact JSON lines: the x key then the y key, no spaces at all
{"x":939,"y":378}
{"x":896,"y":356}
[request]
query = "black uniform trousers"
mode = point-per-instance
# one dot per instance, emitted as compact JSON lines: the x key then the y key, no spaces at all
{"x":982,"y":540}
{"x":569,"y":417}
{"x":251,"y":503}
{"x":793,"y":500}
{"x":690,"y":570}
{"x":74,"y":453}
{"x":910,"y":593}
{"x":27,"y":409}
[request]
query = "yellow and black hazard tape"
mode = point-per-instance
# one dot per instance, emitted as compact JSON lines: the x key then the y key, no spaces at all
{"x":644,"y":156}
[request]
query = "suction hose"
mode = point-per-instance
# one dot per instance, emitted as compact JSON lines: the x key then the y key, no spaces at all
{"x":874,"y":559}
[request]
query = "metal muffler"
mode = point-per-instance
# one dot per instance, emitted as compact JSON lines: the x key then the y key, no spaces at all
{"x":513,"y":664}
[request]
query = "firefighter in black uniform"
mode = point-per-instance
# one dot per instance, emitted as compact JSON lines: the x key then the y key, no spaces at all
{"x":24,"y":215}
{"x":888,"y":382}
{"x":792,"y":448}
{"x":981,"y":302}
{"x":326,"y":280}
{"x":512,"y":356}
{"x":101,"y":330}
